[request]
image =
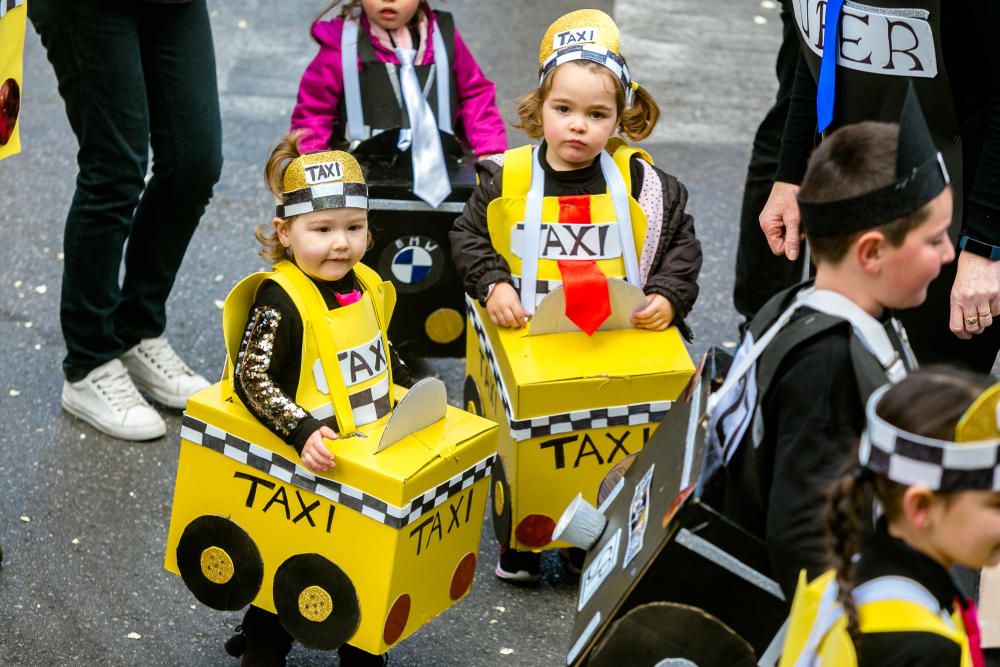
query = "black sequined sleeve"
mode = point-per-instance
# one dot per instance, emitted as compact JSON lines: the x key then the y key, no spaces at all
{"x":266,"y":371}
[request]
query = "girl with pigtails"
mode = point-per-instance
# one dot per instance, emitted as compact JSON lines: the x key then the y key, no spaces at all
{"x":928,"y":456}
{"x":585,"y":97}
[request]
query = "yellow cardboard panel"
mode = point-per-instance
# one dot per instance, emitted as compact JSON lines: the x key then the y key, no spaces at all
{"x":382,"y":559}
{"x":12,"y":26}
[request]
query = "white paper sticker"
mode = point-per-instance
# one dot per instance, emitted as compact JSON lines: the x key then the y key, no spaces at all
{"x":560,"y":240}
{"x":877,"y":40}
{"x":574,"y":36}
{"x":599,"y":569}
{"x":323,"y":172}
{"x":638,"y":517}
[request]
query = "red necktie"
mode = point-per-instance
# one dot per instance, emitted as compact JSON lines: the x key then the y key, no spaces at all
{"x":584,"y":284}
{"x":970,"y":619}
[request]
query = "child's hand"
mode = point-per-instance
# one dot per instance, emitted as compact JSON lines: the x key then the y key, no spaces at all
{"x":315,"y":455}
{"x":504,"y":307}
{"x":657,"y":315}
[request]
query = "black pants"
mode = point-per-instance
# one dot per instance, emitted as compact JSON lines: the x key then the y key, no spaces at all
{"x":760,"y":274}
{"x":133,"y":75}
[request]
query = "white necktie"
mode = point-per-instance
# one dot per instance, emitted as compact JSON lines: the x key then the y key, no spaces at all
{"x":430,"y":177}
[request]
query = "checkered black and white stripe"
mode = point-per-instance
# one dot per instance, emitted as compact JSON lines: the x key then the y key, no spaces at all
{"x":7,"y":5}
{"x":937,"y":464}
{"x":542,"y":287}
{"x":368,"y":405}
{"x":275,"y":465}
{"x":592,"y":52}
{"x":323,"y":196}
{"x":563,"y":422}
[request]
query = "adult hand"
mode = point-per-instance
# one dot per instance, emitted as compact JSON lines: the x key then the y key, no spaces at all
{"x":975,"y":296}
{"x":780,"y":220}
{"x":315,"y":455}
{"x":656,"y":315}
{"x":504,"y":307}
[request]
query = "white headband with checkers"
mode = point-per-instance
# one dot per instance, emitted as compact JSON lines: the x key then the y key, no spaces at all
{"x":939,"y":465}
{"x":594,"y":53}
{"x":323,"y":196}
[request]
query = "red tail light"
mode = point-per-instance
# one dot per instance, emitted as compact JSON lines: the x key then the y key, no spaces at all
{"x":535,"y":530}
{"x":461,"y":581}
{"x":395,"y":622}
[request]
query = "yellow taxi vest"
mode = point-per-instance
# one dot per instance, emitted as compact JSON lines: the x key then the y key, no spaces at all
{"x":344,"y":370}
{"x":506,"y":215}
{"x":817,"y":629}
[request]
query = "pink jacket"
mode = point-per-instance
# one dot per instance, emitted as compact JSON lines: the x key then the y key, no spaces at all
{"x":322,"y":85}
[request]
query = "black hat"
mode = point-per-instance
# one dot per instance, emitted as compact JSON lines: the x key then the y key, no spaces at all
{"x":920,"y":177}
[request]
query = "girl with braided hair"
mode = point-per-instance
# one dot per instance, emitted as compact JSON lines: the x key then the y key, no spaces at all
{"x":928,"y":456}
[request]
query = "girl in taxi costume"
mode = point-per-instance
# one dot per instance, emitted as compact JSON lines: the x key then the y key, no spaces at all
{"x":579,"y":175}
{"x":929,"y":452}
{"x":316,"y":240}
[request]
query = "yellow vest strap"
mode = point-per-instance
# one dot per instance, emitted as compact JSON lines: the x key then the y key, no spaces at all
{"x":311,"y":306}
{"x":517,"y":171}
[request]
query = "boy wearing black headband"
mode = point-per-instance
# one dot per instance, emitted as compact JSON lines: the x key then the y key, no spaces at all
{"x":876,"y":206}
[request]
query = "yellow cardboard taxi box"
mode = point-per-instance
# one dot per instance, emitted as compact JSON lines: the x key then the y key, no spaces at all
{"x":365,"y":554}
{"x":572,"y":408}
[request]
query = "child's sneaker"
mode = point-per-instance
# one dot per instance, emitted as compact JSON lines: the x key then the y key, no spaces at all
{"x":518,"y":567}
{"x":157,"y":370}
{"x":352,"y":656}
{"x":108,"y":400}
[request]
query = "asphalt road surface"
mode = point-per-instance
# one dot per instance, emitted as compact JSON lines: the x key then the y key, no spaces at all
{"x":83,"y":518}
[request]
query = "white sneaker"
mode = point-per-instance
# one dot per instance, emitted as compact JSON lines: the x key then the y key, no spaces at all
{"x":107,"y":400}
{"x":157,"y":370}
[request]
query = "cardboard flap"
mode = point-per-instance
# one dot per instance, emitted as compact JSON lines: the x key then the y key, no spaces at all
{"x":550,"y":315}
{"x":423,"y":405}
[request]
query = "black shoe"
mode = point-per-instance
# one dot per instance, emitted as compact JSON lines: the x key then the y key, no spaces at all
{"x":260,"y":640}
{"x":352,"y":656}
{"x":236,"y":644}
{"x":518,"y":567}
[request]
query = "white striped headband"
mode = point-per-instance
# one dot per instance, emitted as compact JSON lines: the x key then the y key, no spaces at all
{"x":319,"y":181}
{"x":593,"y":53}
{"x":939,"y":465}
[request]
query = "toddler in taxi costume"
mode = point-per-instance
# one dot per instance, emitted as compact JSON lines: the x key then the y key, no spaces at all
{"x":316,"y":241}
{"x":585,"y":96}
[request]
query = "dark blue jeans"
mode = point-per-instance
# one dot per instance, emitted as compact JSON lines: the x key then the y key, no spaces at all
{"x":134,"y":76}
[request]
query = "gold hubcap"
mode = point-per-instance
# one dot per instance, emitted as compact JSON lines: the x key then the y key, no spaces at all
{"x":498,"y":498}
{"x":216,"y":565}
{"x":315,"y":604}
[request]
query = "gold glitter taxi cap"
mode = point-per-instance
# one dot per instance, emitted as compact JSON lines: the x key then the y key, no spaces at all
{"x":318,"y":181}
{"x":586,"y":34}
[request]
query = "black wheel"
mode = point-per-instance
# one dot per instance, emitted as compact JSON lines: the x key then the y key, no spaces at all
{"x":316,"y":601}
{"x":219,"y":563}
{"x":500,"y":503}
{"x":665,"y":633}
{"x":471,"y":401}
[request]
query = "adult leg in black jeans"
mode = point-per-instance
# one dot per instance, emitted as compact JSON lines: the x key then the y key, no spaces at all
{"x":132,"y":74}
{"x":759,"y":273}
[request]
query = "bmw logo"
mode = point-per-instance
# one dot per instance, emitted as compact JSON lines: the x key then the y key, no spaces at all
{"x":414,"y":262}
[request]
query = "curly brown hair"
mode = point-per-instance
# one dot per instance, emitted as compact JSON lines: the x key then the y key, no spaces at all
{"x":636,"y":122}
{"x":929,"y":402}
